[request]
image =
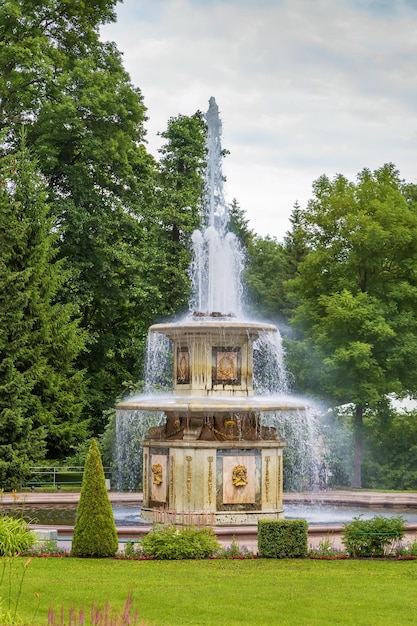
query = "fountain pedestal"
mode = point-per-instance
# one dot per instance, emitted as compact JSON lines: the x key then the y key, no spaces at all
{"x":212,"y":461}
{"x":212,"y":482}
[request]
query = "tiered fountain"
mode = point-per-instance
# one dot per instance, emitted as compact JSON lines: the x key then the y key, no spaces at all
{"x":213,"y":460}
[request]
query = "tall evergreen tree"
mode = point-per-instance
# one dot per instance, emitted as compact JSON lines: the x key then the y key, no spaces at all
{"x":41,"y":392}
{"x":239,"y":225}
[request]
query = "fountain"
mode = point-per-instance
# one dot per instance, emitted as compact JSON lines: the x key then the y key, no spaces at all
{"x":213,"y":457}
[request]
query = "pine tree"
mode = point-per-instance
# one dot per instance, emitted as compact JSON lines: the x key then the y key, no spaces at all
{"x":95,"y":533}
{"x":41,"y":395}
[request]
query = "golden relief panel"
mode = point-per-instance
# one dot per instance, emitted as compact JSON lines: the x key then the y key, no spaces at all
{"x":226,"y":366}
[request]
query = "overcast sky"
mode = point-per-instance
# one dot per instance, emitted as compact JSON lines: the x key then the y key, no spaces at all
{"x":304,"y":88}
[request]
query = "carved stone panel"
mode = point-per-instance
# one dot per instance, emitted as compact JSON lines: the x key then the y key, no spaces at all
{"x":239,"y":480}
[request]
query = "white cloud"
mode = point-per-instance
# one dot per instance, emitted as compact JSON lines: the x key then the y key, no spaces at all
{"x":304,"y":87}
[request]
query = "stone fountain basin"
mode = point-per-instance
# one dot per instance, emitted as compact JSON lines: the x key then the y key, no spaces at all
{"x":209,"y":404}
{"x":217,"y":325}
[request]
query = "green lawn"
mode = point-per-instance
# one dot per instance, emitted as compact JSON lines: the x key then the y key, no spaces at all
{"x":224,"y":592}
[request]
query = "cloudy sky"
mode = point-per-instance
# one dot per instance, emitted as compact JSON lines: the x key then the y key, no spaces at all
{"x":304,"y":88}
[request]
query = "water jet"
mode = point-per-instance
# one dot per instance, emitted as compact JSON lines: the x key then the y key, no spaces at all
{"x":212,"y":457}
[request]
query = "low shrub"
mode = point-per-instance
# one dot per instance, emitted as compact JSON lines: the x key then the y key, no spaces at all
{"x":282,"y":539}
{"x":375,"y":537}
{"x":169,"y":542}
{"x":15,"y":536}
{"x":47,"y":547}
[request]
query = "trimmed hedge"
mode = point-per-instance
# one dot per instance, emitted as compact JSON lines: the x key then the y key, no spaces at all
{"x":283,"y":539}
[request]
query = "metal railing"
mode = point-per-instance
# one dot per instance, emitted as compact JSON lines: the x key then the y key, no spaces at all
{"x":57,"y":476}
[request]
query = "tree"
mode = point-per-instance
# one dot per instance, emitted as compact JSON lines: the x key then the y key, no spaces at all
{"x":39,"y":42}
{"x":264,"y":276}
{"x":95,"y":533}
{"x":180,"y":184}
{"x":356,"y":290}
{"x":239,"y":225}
{"x":85,"y":122}
{"x":41,"y":391}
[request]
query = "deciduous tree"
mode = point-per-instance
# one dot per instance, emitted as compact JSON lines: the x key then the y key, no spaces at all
{"x":356,"y":290}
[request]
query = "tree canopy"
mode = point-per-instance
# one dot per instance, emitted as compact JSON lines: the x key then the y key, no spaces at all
{"x":356,"y":289}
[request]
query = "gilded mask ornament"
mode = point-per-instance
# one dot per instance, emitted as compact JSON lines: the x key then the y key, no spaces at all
{"x":157,"y":473}
{"x":240,"y":476}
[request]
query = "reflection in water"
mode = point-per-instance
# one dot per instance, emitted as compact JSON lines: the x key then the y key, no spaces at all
{"x":124,"y":515}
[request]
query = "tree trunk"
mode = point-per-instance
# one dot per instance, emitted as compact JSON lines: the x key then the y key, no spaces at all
{"x":358,"y":432}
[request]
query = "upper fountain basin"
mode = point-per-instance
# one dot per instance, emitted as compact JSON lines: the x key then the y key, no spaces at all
{"x":213,"y":324}
{"x":209,"y":404}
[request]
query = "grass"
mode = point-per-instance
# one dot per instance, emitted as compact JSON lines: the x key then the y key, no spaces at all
{"x":226,"y":592}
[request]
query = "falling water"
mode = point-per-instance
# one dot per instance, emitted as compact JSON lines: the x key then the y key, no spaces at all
{"x":132,"y":426}
{"x":216,"y":277}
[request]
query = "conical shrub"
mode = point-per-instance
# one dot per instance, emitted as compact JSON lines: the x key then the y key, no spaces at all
{"x":95,"y":533}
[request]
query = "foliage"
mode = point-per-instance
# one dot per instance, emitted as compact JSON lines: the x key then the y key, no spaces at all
{"x":169,"y":542}
{"x":374,"y":537}
{"x":408,"y":550}
{"x":15,"y":536}
{"x":239,"y":226}
{"x":355,"y":292}
{"x":390,"y":437}
{"x":84,"y":121}
{"x":132,"y":549}
{"x":234,"y":551}
{"x":41,"y":390}
{"x":95,"y":533}
{"x":264,"y":275}
{"x":178,"y":200}
{"x":98,"y":615}
{"x":326,"y":550}
{"x":282,"y":539}
{"x":10,"y":597}
{"x":46,"y":547}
